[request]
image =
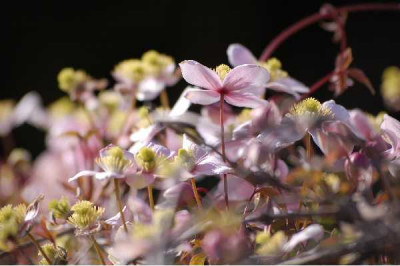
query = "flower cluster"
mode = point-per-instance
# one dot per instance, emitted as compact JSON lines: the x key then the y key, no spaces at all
{"x":253,"y":178}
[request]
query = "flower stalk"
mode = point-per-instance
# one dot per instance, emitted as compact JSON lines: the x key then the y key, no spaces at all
{"x":196,"y":193}
{"x":151,"y":197}
{"x":98,"y":250}
{"x":37,"y":245}
{"x":221,"y":121}
{"x":119,"y":203}
{"x":164,"y":99}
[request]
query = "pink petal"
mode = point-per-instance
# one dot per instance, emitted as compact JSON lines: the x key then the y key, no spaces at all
{"x":189,"y":145}
{"x":199,"y":75}
{"x":210,"y":165}
{"x":240,"y":55}
{"x":246,"y":77}
{"x":238,"y":188}
{"x":339,"y":112}
{"x":244,"y":100}
{"x":204,"y":97}
{"x":139,"y":181}
{"x":361,"y":124}
{"x":86,"y":173}
{"x":288,"y":85}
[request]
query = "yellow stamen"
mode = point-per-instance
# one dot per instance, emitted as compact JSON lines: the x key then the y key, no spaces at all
{"x":222,"y":70}
{"x":310,"y":106}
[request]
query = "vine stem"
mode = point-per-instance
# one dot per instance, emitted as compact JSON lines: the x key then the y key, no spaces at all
{"x":37,"y":245}
{"x":151,"y":198}
{"x":196,"y":193}
{"x":319,"y":84}
{"x":98,"y":251}
{"x":316,"y":17}
{"x":221,"y":121}
{"x":164,"y":99}
{"x":119,"y":203}
{"x":308,"y":147}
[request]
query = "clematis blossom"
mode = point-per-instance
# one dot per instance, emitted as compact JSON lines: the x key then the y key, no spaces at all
{"x":241,"y":86}
{"x":196,"y":161}
{"x":152,"y":162}
{"x":115,"y":163}
{"x":280,"y":80}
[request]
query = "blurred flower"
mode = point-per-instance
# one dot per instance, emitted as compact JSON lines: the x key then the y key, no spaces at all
{"x":240,"y":86}
{"x":152,"y":161}
{"x":115,"y":163}
{"x":225,"y":248}
{"x":56,"y":254}
{"x":60,"y":208}
{"x":16,"y":222}
{"x":270,"y":245}
{"x":78,"y":84}
{"x":196,"y":161}
{"x":280,"y":80}
{"x":6,"y":117}
{"x":390,"y":87}
{"x":85,"y":216}
{"x":145,"y":77}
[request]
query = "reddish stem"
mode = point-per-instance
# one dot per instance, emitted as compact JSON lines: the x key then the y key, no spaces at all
{"x":221,"y":122}
{"x":318,"y":84}
{"x":307,"y":21}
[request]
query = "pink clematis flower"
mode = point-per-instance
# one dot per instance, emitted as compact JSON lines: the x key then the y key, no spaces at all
{"x":240,"y":86}
{"x":152,"y":162}
{"x":115,"y":162}
{"x":196,"y":161}
{"x":280,"y":81}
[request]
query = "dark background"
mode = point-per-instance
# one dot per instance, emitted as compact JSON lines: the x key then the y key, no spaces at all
{"x":42,"y":38}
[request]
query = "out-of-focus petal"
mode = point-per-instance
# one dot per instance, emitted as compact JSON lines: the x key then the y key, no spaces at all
{"x":391,"y":128}
{"x":240,"y":99}
{"x":238,"y":188}
{"x":288,"y":85}
{"x":88,"y":173}
{"x":204,"y":97}
{"x":199,"y":75}
{"x":245,"y":77}
{"x":115,"y":219}
{"x":339,"y":112}
{"x":189,"y":145}
{"x":149,"y":89}
{"x":211,"y":165}
{"x":240,"y":55}
{"x":139,"y":181}
{"x":182,"y":104}
{"x":314,"y":231}
{"x":161,"y":150}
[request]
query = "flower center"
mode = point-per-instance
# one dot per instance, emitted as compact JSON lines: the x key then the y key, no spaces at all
{"x":310,"y":106}
{"x":69,"y":79}
{"x":185,"y":159}
{"x":146,"y":159}
{"x":274,"y":67}
{"x":391,"y":83}
{"x":222,"y":70}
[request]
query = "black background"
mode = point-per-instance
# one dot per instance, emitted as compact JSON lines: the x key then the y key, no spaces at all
{"x":41,"y":38}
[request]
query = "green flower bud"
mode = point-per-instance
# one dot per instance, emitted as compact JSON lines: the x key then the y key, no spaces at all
{"x":69,"y":79}
{"x":60,"y":208}
{"x":57,"y":255}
